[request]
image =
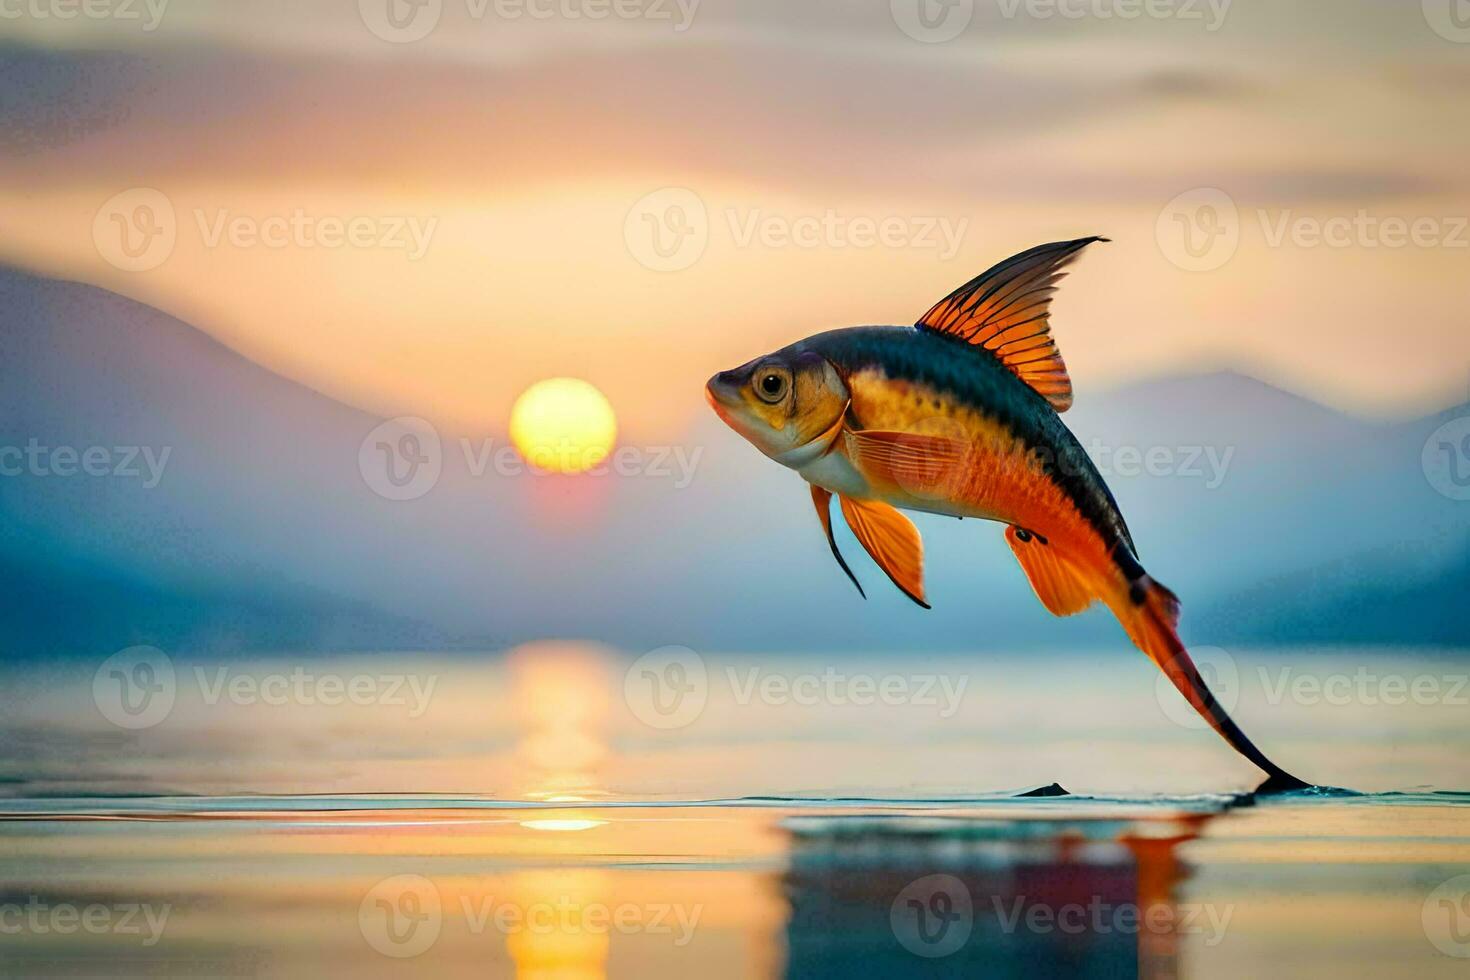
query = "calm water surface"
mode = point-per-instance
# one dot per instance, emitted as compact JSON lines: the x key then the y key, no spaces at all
{"x":569,"y":812}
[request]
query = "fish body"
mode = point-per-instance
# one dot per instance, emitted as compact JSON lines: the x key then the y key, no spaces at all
{"x":958,"y":415}
{"x":1024,"y":466}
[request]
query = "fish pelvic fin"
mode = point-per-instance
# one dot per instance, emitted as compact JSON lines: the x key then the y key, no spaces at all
{"x":891,"y":540}
{"x":1150,"y":613}
{"x":822,"y":499}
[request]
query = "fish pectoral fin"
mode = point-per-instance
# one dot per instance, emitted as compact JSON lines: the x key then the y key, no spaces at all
{"x":823,"y":501}
{"x":1062,"y":587}
{"x":918,"y":463}
{"x":892,"y":541}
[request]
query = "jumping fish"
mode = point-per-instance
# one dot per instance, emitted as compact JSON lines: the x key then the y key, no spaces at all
{"x":959,"y":415}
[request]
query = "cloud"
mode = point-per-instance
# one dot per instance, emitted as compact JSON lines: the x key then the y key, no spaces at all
{"x":1184,"y":83}
{"x":49,"y":99}
{"x":854,"y":110}
{"x":723,"y":108}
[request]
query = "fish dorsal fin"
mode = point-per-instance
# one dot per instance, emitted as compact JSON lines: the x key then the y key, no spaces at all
{"x":1062,"y":588}
{"x":892,"y":541}
{"x":1006,"y":309}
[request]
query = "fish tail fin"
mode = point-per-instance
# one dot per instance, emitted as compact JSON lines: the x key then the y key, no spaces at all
{"x":1067,"y":584}
{"x":1150,"y":614}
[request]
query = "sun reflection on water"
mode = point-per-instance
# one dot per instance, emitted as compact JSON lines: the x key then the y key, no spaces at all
{"x":560,"y":693}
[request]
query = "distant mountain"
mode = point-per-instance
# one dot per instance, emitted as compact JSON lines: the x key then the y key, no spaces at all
{"x":47,"y":610}
{"x":1351,"y":601}
{"x":249,"y":522}
{"x":1397,"y":567}
{"x":92,"y":561}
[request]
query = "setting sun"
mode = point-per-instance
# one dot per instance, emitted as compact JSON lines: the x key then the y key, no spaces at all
{"x":563,"y":424}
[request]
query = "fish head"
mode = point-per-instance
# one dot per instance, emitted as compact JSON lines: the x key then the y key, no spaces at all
{"x":789,"y":404}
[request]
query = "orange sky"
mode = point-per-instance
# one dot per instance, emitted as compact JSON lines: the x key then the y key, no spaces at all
{"x":831,"y":171}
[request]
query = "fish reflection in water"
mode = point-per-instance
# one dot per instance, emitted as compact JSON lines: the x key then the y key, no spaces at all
{"x":902,"y":896}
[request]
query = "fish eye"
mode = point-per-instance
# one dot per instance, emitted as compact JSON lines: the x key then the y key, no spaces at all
{"x":771,"y":384}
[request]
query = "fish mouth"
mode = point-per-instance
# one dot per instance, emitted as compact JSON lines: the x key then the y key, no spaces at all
{"x":723,"y":393}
